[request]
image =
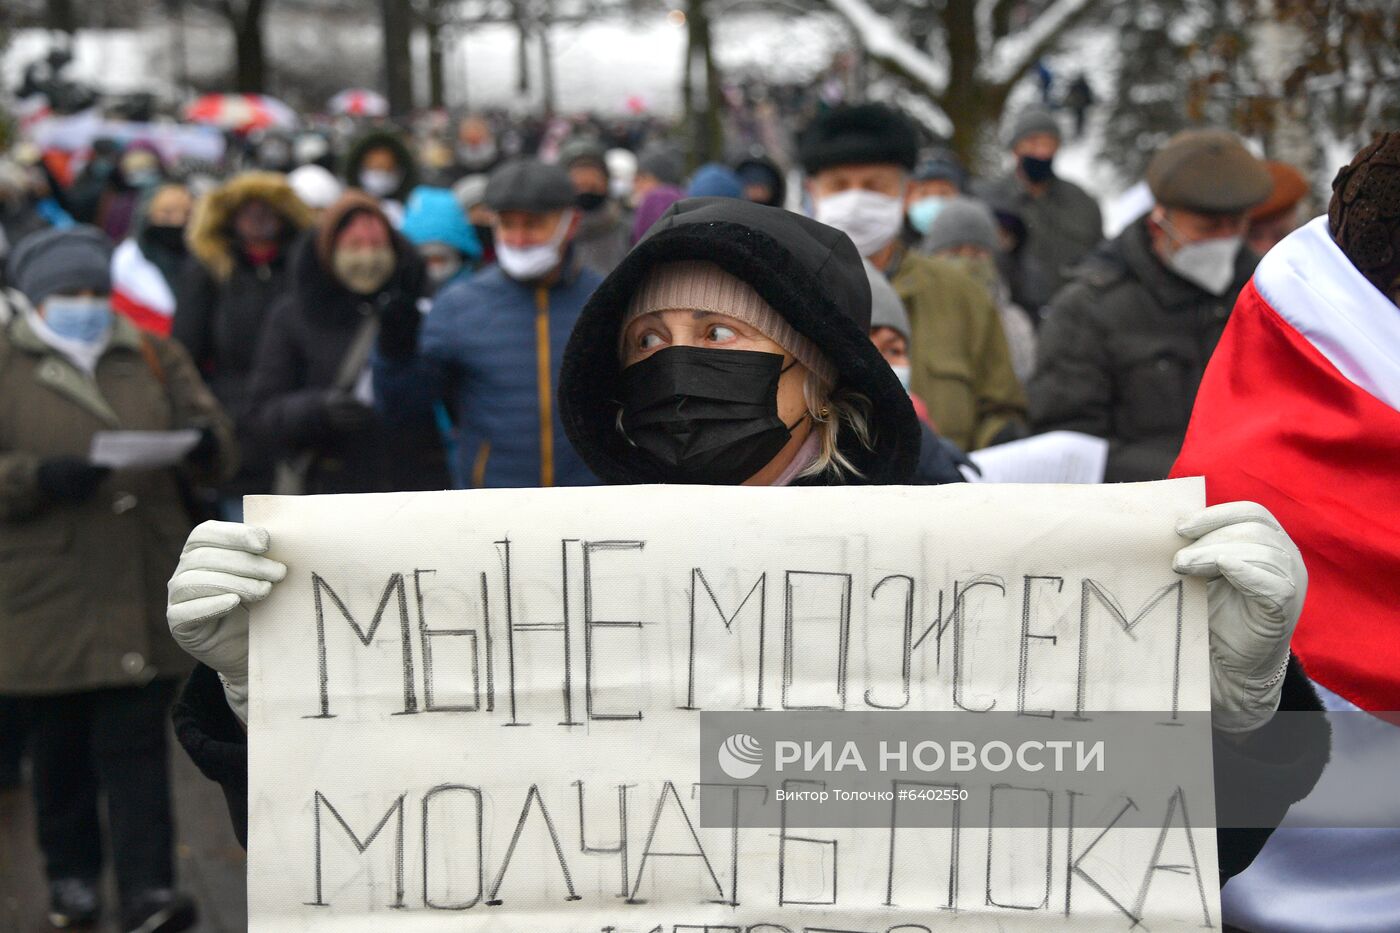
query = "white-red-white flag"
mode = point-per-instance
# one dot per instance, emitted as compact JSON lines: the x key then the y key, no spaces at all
{"x":139,"y":290}
{"x":1300,"y":410}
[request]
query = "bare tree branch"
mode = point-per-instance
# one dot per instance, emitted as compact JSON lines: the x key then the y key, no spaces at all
{"x":1008,"y":60}
{"x":882,"y":41}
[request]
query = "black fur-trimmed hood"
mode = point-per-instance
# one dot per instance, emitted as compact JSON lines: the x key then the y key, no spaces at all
{"x":808,"y":272}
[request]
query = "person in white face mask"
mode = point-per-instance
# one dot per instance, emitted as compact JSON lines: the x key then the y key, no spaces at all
{"x":491,"y":345}
{"x":381,"y":165}
{"x":1125,"y":343}
{"x":859,"y":160}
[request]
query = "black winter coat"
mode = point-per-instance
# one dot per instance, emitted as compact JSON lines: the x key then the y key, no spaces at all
{"x":1122,"y":351}
{"x":308,"y":332}
{"x":219,"y":322}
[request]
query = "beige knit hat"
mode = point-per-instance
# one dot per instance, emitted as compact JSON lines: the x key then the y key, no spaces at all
{"x":698,"y":285}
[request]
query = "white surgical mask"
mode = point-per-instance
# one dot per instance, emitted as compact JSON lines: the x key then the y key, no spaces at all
{"x":380,"y":183}
{"x":1208,"y":263}
{"x":902,"y":374}
{"x":870,"y":219}
{"x":529,"y":263}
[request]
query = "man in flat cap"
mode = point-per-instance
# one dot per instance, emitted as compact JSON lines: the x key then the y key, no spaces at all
{"x":491,"y":345}
{"x":1125,"y":343}
{"x":1063,"y":222}
{"x":858,"y":161}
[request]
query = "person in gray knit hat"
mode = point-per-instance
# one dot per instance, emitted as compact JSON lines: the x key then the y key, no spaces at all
{"x":72,"y":261}
{"x":966,"y":233}
{"x":1063,"y":222}
{"x":658,"y":165}
{"x":1125,"y":344}
{"x":605,"y":229}
{"x":80,"y":624}
{"x":939,"y":458}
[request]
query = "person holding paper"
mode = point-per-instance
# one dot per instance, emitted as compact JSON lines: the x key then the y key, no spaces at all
{"x":85,"y":551}
{"x":732,"y":347}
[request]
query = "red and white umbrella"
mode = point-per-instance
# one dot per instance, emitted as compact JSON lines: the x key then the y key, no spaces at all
{"x":359,"y":102}
{"x":242,"y":113}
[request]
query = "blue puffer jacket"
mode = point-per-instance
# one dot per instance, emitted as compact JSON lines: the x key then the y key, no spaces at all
{"x":484,"y":344}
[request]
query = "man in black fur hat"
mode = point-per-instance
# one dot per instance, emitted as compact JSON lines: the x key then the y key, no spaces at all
{"x":858,"y":161}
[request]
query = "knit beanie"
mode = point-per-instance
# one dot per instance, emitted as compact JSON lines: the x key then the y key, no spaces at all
{"x":962,"y":222}
{"x":64,"y":261}
{"x":1365,"y":211}
{"x":886,"y":307}
{"x":698,"y":285}
{"x":941,"y":165}
{"x":1031,"y":120}
{"x":664,"y":163}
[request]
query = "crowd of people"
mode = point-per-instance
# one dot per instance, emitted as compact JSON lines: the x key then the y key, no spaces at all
{"x":409,"y":313}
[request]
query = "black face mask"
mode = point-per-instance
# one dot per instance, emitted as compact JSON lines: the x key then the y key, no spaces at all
{"x":486,"y":236}
{"x":167,"y":238}
{"x":706,"y":416}
{"x":590,"y":200}
{"x":1037,"y":170}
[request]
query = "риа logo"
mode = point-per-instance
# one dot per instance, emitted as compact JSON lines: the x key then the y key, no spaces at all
{"x":740,"y":756}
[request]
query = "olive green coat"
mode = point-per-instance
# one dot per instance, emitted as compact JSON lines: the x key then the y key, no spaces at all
{"x":82,"y":586}
{"x":959,"y":361}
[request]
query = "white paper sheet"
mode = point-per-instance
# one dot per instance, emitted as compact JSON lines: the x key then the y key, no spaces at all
{"x":1056,"y":457}
{"x":141,"y":450}
{"x":466,"y":706}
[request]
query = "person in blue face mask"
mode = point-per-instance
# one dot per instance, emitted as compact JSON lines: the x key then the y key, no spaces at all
{"x":937,"y":179}
{"x":82,"y":651}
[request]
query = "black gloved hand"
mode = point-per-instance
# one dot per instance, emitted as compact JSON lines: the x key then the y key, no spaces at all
{"x":347,"y":415}
{"x":206,"y":452}
{"x":398,"y":329}
{"x":70,"y":479}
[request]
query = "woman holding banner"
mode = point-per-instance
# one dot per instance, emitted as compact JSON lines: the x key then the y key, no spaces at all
{"x":731,"y":347}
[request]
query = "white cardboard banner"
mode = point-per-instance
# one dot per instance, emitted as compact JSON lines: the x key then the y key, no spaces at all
{"x":479,"y":710}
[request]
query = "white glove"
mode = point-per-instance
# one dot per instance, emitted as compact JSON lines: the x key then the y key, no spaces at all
{"x":1257,"y":582}
{"x":221,"y":573}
